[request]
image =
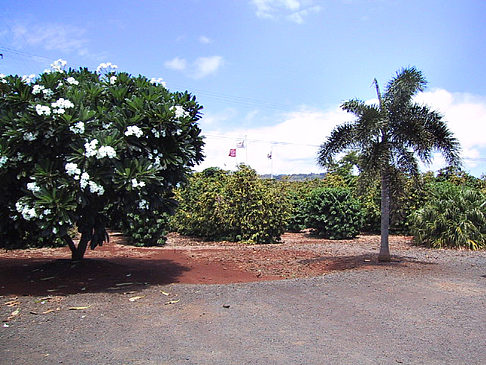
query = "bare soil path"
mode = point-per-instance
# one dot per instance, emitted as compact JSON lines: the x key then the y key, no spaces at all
{"x":194,"y":302}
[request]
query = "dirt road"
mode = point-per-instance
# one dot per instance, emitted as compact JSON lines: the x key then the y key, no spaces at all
{"x":428,"y":307}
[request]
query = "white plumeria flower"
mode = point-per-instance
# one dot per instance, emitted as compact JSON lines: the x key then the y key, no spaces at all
{"x":28,"y":78}
{"x":133,"y":130}
{"x":59,"y":111}
{"x":143,"y":204}
{"x":32,"y":186}
{"x":137,"y":184}
{"x":3,"y":160}
{"x":37,"y":89}
{"x":72,"y":81}
{"x":108,"y":66}
{"x":95,"y":188}
{"x":72,"y":169}
{"x":58,"y":65}
{"x":159,"y":81}
{"x":78,"y":128}
{"x":62,"y":104}
{"x":42,"y":109}
{"x":155,"y":132}
{"x":30,"y":136}
{"x":83,"y":182}
{"x":90,"y":148}
{"x":105,"y":151}
{"x":113,"y":80}
{"x":47,"y":93}
{"x":179,"y":111}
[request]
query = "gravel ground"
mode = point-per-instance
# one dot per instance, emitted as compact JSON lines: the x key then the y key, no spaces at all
{"x":431,"y":310}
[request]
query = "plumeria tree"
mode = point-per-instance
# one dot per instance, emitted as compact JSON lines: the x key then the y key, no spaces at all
{"x":78,"y":147}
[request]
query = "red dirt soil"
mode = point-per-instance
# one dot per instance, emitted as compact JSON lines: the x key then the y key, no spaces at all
{"x":116,"y":266}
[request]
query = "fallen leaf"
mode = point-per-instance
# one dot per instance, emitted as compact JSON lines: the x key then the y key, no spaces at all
{"x":165,"y":293}
{"x":78,"y":308}
{"x":48,"y":311}
{"x":172,"y":302}
{"x":12,"y":303}
{"x":226,"y":305}
{"x":123,"y":284}
{"x":132,"y":299}
{"x":48,"y":278}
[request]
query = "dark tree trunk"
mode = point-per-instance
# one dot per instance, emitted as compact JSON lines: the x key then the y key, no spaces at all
{"x":384,"y":255}
{"x":77,"y":252}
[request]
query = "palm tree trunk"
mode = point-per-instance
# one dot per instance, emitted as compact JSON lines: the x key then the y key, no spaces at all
{"x":384,"y":255}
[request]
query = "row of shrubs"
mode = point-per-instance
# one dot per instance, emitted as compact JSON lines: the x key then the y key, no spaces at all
{"x":448,"y":210}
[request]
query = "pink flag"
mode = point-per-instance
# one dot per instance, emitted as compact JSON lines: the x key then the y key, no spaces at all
{"x":232,"y":152}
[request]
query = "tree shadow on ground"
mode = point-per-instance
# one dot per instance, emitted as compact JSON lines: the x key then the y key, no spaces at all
{"x":339,"y":263}
{"x":62,"y":276}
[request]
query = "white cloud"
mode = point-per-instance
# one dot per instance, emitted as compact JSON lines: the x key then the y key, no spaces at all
{"x":465,"y":115}
{"x":178,"y":64}
{"x":204,"y":66}
{"x":292,"y":10}
{"x":199,"y":68}
{"x":304,"y":130}
{"x":204,"y":40}
{"x":293,"y":142}
{"x":57,"y":37}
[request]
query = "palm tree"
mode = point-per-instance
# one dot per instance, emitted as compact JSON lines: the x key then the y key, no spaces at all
{"x":391,"y":136}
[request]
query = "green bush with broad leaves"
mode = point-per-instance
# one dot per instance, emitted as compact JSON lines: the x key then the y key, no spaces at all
{"x":234,"y":206}
{"x":454,"y":216}
{"x":80,"y":148}
{"x":333,"y":213}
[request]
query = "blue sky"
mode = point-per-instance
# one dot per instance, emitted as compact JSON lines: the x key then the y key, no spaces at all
{"x":271,"y":71}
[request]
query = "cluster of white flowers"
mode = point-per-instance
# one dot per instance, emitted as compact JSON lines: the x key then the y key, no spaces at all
{"x":112,"y":80}
{"x":27,"y":212}
{"x":90,"y":148}
{"x":37,"y":89}
{"x":32,"y":186}
{"x":137,"y":184}
{"x":179,"y":111}
{"x":83,"y":181}
{"x":158,"y":134}
{"x":105,"y":151}
{"x":58,"y":66}
{"x":78,"y":128}
{"x":102,"y":152}
{"x":95,"y":188}
{"x":72,"y":169}
{"x":72,"y":81}
{"x":143,"y":204}
{"x":3,"y":160}
{"x":28,"y":78}
{"x":42,"y":109}
{"x":2,"y":79}
{"x":30,"y":136}
{"x":61,"y":105}
{"x":133,"y":130}
{"x":106,"y":67}
{"x":159,"y":81}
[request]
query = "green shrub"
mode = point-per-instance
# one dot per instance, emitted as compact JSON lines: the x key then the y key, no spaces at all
{"x":333,"y":213}
{"x":237,"y":206}
{"x":455,"y":216}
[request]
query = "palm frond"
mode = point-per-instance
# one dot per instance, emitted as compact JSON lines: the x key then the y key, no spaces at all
{"x":400,"y":90}
{"x":341,"y":138}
